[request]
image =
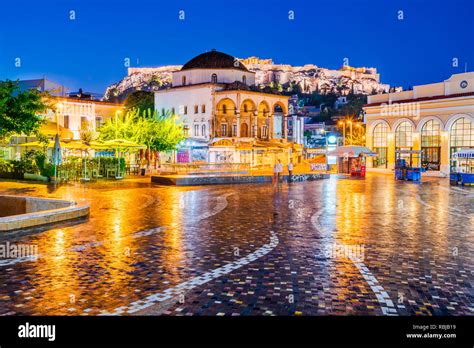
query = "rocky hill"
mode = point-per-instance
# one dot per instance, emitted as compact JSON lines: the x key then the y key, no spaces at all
{"x":308,"y":78}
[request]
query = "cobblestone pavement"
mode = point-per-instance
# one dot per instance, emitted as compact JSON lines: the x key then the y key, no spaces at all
{"x":332,"y":247}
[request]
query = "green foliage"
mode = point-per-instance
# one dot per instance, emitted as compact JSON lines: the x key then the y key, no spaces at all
{"x":29,"y":161}
{"x":19,"y":110}
{"x":17,"y":169}
{"x":87,"y":134}
{"x":157,"y":132}
{"x":141,"y":100}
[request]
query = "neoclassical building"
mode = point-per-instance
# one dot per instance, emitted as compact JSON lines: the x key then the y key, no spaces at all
{"x":437,"y":118}
{"x":226,"y":118}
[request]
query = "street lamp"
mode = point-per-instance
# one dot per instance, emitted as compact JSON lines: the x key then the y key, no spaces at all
{"x":343,"y":124}
{"x":350,"y":127}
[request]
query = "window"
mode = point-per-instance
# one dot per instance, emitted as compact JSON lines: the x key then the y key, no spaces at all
{"x":203,"y":130}
{"x":98,"y":122}
{"x":264,"y":131}
{"x":214,"y":78}
{"x":404,"y":139}
{"x":183,"y":80}
{"x":186,"y":130}
{"x":461,"y":136}
{"x":196,"y":130}
{"x":173,"y":112}
{"x":162,"y":111}
{"x":84,"y":122}
{"x":380,"y":145}
{"x":224,"y":109}
{"x":234,"y":130}
{"x":196,"y":109}
{"x":404,"y":135}
{"x":185,"y":111}
{"x":431,"y":145}
{"x":66,"y":121}
{"x":203,"y":108}
{"x":224,"y":130}
{"x":245,"y":108}
{"x":244,"y":79}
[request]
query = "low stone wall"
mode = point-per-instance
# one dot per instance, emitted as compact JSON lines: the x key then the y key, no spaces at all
{"x":21,"y":212}
{"x":230,"y":179}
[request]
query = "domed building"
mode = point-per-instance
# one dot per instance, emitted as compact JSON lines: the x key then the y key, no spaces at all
{"x":226,"y":118}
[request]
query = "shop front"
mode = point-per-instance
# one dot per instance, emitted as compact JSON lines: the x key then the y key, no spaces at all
{"x":352,"y":159}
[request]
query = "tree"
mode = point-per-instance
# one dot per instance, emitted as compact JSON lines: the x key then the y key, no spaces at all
{"x":141,"y":100}
{"x":20,"y":110}
{"x":157,"y":132}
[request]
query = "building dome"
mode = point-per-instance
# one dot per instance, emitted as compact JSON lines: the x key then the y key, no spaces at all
{"x":214,"y":60}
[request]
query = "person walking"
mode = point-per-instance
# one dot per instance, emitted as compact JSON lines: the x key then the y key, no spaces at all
{"x":290,"y":170}
{"x":277,"y":169}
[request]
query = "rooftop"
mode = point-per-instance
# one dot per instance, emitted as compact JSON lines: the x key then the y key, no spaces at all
{"x":214,"y":60}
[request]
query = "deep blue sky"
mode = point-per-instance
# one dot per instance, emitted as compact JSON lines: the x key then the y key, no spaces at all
{"x":89,"y":52}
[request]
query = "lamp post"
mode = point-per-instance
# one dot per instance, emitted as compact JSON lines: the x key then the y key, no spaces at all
{"x":60,"y":106}
{"x":350,"y":131}
{"x":343,"y":123}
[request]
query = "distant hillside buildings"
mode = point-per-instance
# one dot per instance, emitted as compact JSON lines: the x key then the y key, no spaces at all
{"x":309,"y":78}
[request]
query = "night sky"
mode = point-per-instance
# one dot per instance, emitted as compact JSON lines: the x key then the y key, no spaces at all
{"x":89,"y":51}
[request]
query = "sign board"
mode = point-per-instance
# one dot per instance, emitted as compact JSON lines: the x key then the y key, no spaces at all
{"x":318,"y":166}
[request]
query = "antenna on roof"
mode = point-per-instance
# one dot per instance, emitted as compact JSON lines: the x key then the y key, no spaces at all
{"x":465,"y":67}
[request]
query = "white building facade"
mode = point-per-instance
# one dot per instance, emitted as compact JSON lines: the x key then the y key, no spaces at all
{"x":437,"y":118}
{"x":215,"y":99}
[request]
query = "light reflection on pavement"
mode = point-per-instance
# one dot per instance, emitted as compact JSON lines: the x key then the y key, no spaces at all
{"x":142,"y":239}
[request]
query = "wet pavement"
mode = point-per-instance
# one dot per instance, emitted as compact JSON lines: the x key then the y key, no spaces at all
{"x":332,"y":247}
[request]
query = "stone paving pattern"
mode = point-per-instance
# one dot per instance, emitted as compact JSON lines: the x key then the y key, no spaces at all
{"x":142,"y":239}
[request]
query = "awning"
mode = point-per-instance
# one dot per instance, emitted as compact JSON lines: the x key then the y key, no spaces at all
{"x":50,"y":129}
{"x":352,"y":151}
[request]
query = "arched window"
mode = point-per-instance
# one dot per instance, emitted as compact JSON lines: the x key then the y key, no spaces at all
{"x":404,"y":139}
{"x":431,"y":145}
{"x":379,"y":145}
{"x":461,"y":136}
{"x":244,"y":79}
{"x":245,"y":108}
{"x":223,"y":129}
{"x":196,"y":130}
{"x":404,"y":136}
{"x":224,"y":109}
{"x":203,"y":130}
{"x":214,"y":78}
{"x":183,"y":80}
{"x":203,"y":108}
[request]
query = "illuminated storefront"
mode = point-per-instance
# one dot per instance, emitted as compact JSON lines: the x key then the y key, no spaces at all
{"x":437,"y":118}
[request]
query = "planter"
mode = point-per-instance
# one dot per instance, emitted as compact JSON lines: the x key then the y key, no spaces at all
{"x":36,"y":177}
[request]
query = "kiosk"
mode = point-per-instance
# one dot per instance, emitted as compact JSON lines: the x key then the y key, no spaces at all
{"x":462,"y":168}
{"x":351,"y":159}
{"x":408,"y":165}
